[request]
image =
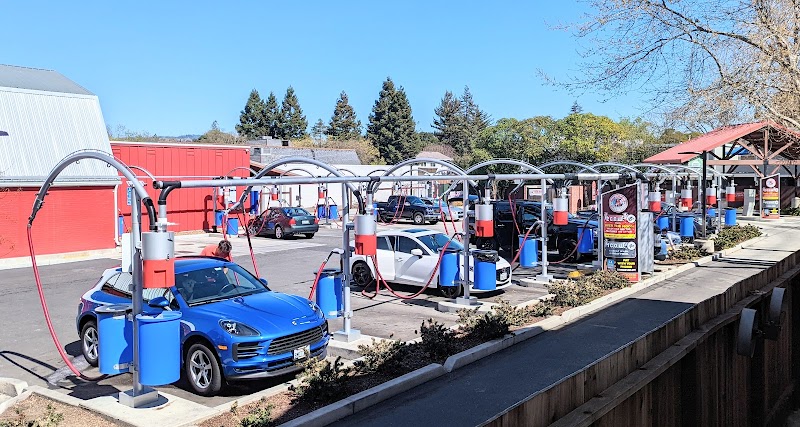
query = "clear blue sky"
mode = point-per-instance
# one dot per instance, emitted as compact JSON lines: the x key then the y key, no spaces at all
{"x":173,"y":67}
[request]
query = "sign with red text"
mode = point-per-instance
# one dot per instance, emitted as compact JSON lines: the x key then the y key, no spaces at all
{"x":619,"y":222}
{"x":771,"y":197}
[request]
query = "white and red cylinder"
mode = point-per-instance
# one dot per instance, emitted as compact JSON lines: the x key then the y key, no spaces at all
{"x":711,"y":195}
{"x":274,"y":193}
{"x":654,"y":201}
{"x":730,"y":194}
{"x":686,"y":198}
{"x":366,"y":239}
{"x":560,"y":211}
{"x":158,"y":259}
{"x":484,"y":220}
{"x":321,"y":192}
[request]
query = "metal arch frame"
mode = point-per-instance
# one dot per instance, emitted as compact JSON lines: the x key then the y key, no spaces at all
{"x":492,"y":162}
{"x":296,"y":159}
{"x":408,"y":162}
{"x":585,"y":167}
{"x":618,"y":165}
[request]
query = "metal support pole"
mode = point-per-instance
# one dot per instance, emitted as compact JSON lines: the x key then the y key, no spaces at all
{"x":544,"y":277}
{"x":703,"y":197}
{"x":600,"y":244}
{"x":347,"y":333}
{"x":466,"y":299}
{"x":673,"y":225}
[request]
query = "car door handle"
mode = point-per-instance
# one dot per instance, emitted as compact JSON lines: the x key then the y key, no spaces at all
{"x":398,"y":259}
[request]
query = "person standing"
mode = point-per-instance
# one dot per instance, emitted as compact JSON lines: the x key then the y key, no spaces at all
{"x":221,"y":250}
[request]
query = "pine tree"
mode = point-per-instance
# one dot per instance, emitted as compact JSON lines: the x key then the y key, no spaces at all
{"x":391,"y":126}
{"x":272,"y":116}
{"x":318,"y":130}
{"x":344,"y":124}
{"x":252,"y":120}
{"x":475,"y":119}
{"x":450,"y":123}
{"x":293,"y":123}
{"x":576,"y":108}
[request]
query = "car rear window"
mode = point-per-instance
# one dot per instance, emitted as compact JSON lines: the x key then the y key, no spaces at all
{"x":295,"y":212}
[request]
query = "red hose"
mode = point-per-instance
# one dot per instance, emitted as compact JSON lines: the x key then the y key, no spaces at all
{"x":47,"y":315}
{"x":316,"y":279}
{"x":379,"y":278}
{"x":250,"y":245}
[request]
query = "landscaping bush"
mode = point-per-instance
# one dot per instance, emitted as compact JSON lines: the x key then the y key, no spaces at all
{"x":438,"y":341}
{"x":489,"y":326}
{"x":503,"y":313}
{"x":688,"y":253}
{"x":605,"y":279}
{"x":389,"y":357}
{"x":323,"y":381}
{"x":570,"y":293}
{"x":51,"y":418}
{"x":259,"y":415}
{"x":790,"y":212}
{"x":732,"y":236}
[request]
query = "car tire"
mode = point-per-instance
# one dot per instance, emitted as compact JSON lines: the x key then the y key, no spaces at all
{"x":451,"y":291}
{"x":419,"y":219}
{"x":309,"y":235}
{"x":202,"y":370}
{"x":279,"y":232}
{"x":362,"y":275}
{"x":567,"y":250}
{"x":90,"y":339}
{"x":251,"y":228}
{"x":434,"y":221}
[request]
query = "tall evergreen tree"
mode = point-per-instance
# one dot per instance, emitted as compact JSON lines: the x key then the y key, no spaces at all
{"x":252,"y":120}
{"x":293,"y":123}
{"x":344,"y":124}
{"x":318,"y":130}
{"x":475,"y":119}
{"x":391,"y":126}
{"x":576,"y":108}
{"x":272,"y":116}
{"x":450,"y":123}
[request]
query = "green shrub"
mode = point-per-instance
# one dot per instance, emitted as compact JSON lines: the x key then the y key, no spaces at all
{"x":605,"y":279}
{"x":732,"y":236}
{"x":51,"y":418}
{"x":258,"y":416}
{"x":506,"y":313}
{"x":384,"y":356}
{"x":323,"y":381}
{"x":570,"y":293}
{"x":438,"y":341}
{"x":489,"y":326}
{"x":688,"y":253}
{"x":790,"y":211}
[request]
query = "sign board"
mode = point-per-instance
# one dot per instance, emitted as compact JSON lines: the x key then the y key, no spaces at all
{"x":620,"y":209}
{"x":533,"y":192}
{"x":130,"y":195}
{"x":771,"y":197}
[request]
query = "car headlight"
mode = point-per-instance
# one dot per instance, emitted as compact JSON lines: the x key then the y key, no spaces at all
{"x":237,"y":328}
{"x":316,"y":308}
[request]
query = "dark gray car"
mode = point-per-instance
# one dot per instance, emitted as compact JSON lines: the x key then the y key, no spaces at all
{"x":284,"y":222}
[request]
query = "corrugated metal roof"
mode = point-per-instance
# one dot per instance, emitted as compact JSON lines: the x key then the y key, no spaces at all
{"x":266,"y":155}
{"x":45,"y":127}
{"x":715,"y":139}
{"x":37,"y":79}
{"x":433,"y":155}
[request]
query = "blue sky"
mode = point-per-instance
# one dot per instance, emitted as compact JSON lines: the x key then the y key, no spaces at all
{"x":173,"y":67}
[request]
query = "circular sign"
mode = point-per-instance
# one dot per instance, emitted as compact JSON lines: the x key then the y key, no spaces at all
{"x":771,"y":182}
{"x":618,"y":203}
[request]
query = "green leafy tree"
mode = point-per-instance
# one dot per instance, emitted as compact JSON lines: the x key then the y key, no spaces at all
{"x":391,"y":126}
{"x":450,"y":123}
{"x":272,"y":116}
{"x":252,"y":120}
{"x":293,"y":123}
{"x":318,"y":130}
{"x":344,"y":124}
{"x":215,"y":135}
{"x":587,"y":138}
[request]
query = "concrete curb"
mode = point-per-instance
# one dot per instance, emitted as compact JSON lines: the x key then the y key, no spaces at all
{"x":357,"y":402}
{"x":13,"y":401}
{"x":476,"y":353}
{"x":63,"y":258}
{"x":12,"y":386}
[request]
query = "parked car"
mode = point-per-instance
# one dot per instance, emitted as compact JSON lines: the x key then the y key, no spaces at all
{"x":408,"y":207}
{"x":450,"y":213}
{"x":410,"y":256}
{"x":283,"y":222}
{"x":563,"y":238}
{"x":233,"y":327}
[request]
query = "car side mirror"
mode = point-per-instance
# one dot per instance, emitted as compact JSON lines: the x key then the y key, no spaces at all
{"x":158,"y":302}
{"x":263,"y":280}
{"x":407,"y":203}
{"x":417,"y":252}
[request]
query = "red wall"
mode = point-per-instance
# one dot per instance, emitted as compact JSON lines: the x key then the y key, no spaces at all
{"x":190,"y":209}
{"x":71,"y":220}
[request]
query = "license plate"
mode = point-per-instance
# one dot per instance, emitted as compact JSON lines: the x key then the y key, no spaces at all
{"x":503,"y":276}
{"x":302,"y":352}
{"x":305,"y":221}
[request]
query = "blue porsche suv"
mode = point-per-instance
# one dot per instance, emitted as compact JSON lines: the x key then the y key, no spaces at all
{"x":233,"y":327}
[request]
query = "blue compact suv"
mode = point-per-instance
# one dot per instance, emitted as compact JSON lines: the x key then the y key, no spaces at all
{"x":233,"y":327}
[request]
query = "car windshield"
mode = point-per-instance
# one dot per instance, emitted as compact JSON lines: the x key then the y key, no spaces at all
{"x":221,"y":282}
{"x":295,"y":212}
{"x":437,"y":241}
